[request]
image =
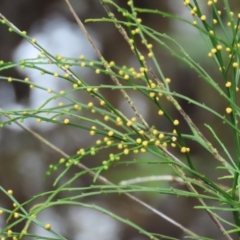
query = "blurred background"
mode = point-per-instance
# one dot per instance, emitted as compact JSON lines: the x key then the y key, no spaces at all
{"x":24,"y":160}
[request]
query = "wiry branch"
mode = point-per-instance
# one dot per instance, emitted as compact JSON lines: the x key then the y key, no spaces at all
{"x":106,"y":65}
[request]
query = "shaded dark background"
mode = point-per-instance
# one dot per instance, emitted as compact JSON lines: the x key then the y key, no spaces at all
{"x":24,"y":160}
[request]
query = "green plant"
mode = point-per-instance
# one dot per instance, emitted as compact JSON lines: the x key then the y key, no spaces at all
{"x":132,"y":140}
